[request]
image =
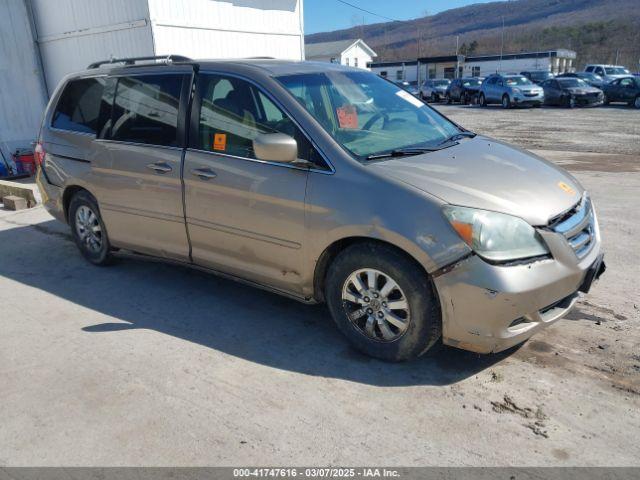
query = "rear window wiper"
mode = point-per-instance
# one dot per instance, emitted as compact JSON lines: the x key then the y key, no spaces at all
{"x":399,"y":152}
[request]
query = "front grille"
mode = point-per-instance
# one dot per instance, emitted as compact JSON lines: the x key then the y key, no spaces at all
{"x":577,"y":226}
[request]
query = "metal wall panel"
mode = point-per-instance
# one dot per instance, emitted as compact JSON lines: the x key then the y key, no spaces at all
{"x":54,"y":17}
{"x":72,"y":54}
{"x":22,"y":96}
{"x":196,"y":43}
{"x":74,"y":33}
{"x":228,"y":28}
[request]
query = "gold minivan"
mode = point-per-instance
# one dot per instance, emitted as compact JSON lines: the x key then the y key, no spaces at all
{"x":323,"y":183}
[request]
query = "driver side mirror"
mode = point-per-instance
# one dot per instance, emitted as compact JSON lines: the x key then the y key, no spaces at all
{"x":275,"y":147}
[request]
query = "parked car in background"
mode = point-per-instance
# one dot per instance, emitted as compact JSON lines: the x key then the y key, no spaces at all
{"x":538,"y":76}
{"x":608,"y":72}
{"x":625,"y":90}
{"x":264,"y":171}
{"x":434,"y":90}
{"x":411,"y":87}
{"x":571,"y":92}
{"x":464,"y":90}
{"x":590,"y":78}
{"x":510,"y":91}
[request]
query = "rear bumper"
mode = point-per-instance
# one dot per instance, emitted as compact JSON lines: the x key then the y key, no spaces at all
{"x":489,"y":308}
{"x":51,"y":197}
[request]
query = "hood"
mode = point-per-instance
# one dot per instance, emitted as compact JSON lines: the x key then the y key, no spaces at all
{"x":491,"y":175}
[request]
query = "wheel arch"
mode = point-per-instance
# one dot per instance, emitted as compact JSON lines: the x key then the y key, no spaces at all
{"x":334,"y":249}
{"x":69,"y":192}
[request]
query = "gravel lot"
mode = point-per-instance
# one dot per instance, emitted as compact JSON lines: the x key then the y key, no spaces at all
{"x":150,"y":364}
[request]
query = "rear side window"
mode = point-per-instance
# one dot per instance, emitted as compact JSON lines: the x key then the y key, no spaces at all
{"x":146,"y":109}
{"x":83,"y":106}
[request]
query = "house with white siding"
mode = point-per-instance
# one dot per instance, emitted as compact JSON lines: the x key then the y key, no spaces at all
{"x":353,"y":53}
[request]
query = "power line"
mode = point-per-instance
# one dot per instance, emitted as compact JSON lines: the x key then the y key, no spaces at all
{"x":368,"y":11}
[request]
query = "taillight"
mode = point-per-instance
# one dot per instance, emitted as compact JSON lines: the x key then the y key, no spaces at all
{"x":39,"y":154}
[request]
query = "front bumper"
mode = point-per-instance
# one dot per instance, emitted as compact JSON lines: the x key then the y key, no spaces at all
{"x":523,"y":99}
{"x":489,"y":308}
{"x":588,"y":100}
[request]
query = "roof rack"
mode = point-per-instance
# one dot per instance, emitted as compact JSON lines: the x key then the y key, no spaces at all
{"x":133,"y":60}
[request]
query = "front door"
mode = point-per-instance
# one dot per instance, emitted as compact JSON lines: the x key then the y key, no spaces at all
{"x":139,"y":183}
{"x":244,"y":216}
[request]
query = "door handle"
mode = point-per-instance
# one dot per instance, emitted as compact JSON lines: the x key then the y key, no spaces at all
{"x":204,"y":173}
{"x":160,"y":167}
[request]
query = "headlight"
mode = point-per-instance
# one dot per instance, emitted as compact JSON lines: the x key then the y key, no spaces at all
{"x":516,"y":90}
{"x":495,"y":236}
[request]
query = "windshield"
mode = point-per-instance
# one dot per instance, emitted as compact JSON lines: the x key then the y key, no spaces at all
{"x":511,"y":81}
{"x":471,"y":82}
{"x":616,"y":71}
{"x":366,"y":114}
{"x":441,"y":83}
{"x":572,"y":82}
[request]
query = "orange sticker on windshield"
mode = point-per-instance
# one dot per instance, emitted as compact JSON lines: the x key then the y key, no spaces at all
{"x":220,"y":141}
{"x":347,"y":116}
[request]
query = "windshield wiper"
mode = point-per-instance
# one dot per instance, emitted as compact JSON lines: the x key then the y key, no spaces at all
{"x":458,"y":136}
{"x":399,"y":152}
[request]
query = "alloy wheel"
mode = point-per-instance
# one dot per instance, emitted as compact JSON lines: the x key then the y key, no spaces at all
{"x":88,"y":228}
{"x":376,"y":305}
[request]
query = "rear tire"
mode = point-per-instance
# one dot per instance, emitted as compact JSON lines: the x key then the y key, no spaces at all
{"x":482,"y":100}
{"x":434,"y":98}
{"x":447,"y":99}
{"x":88,"y":229}
{"x":605,"y":100}
{"x":364,"y":310}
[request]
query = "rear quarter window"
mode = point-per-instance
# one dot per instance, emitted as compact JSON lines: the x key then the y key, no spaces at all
{"x":83,"y":106}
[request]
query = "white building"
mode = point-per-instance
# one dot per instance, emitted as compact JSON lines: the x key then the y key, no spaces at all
{"x":450,"y":66}
{"x":43,"y":40}
{"x":354,"y":53}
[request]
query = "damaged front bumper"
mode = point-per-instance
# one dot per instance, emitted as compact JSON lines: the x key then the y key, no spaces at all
{"x":489,"y":308}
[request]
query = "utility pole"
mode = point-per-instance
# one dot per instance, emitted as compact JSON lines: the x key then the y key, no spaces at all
{"x":457,"y":59}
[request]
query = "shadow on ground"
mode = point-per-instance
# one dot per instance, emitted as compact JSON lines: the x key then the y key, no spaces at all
{"x":217,"y":313}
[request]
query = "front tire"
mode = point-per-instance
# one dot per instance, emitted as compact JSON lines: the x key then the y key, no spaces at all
{"x":88,"y":229}
{"x":506,"y":102}
{"x":383,"y":302}
{"x":636,"y":102}
{"x":434,"y":98}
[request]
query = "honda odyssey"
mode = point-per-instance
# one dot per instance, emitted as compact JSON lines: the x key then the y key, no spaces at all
{"x":323,"y":183}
